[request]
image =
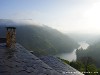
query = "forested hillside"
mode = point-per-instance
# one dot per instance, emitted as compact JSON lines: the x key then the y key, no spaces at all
{"x":92,"y":51}
{"x":42,"y":40}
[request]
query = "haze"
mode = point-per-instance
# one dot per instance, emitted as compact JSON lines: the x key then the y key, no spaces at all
{"x":68,"y":16}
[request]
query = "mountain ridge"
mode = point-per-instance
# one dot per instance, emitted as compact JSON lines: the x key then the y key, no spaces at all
{"x":42,"y":40}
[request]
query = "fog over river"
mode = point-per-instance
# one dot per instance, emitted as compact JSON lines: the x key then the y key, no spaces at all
{"x":72,"y":56}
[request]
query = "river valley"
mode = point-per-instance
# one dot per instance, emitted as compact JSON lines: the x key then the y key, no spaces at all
{"x":72,"y":56}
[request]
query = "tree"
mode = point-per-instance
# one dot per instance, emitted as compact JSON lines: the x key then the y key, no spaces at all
{"x":88,"y":63}
{"x":77,"y":65}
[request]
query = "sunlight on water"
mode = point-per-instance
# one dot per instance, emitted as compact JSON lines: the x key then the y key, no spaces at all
{"x":83,"y":45}
{"x":72,"y":56}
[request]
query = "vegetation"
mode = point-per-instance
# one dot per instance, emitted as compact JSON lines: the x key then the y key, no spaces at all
{"x":42,"y":40}
{"x":84,"y":66}
{"x":65,"y":61}
{"x":92,"y":51}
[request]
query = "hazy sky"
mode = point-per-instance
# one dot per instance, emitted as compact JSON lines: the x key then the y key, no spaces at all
{"x":81,"y":16}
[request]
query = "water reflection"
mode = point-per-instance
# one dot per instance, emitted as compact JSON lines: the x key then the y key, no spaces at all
{"x":83,"y":45}
{"x":72,"y":56}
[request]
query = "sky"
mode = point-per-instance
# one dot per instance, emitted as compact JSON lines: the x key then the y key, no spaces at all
{"x":68,"y":16}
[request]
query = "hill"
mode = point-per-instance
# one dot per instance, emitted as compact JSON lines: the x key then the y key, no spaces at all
{"x":42,"y":40}
{"x":92,"y":51}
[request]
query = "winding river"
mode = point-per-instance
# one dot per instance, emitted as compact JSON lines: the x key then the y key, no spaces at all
{"x":72,"y":56}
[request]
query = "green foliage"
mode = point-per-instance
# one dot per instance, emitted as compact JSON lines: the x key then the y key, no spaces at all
{"x":77,"y":65}
{"x":65,"y":61}
{"x":42,"y":40}
{"x":92,"y":68}
{"x":93,"y":51}
{"x":81,"y":66}
{"x":98,"y":71}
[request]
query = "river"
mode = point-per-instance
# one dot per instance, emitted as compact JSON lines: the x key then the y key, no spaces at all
{"x":72,"y":56}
